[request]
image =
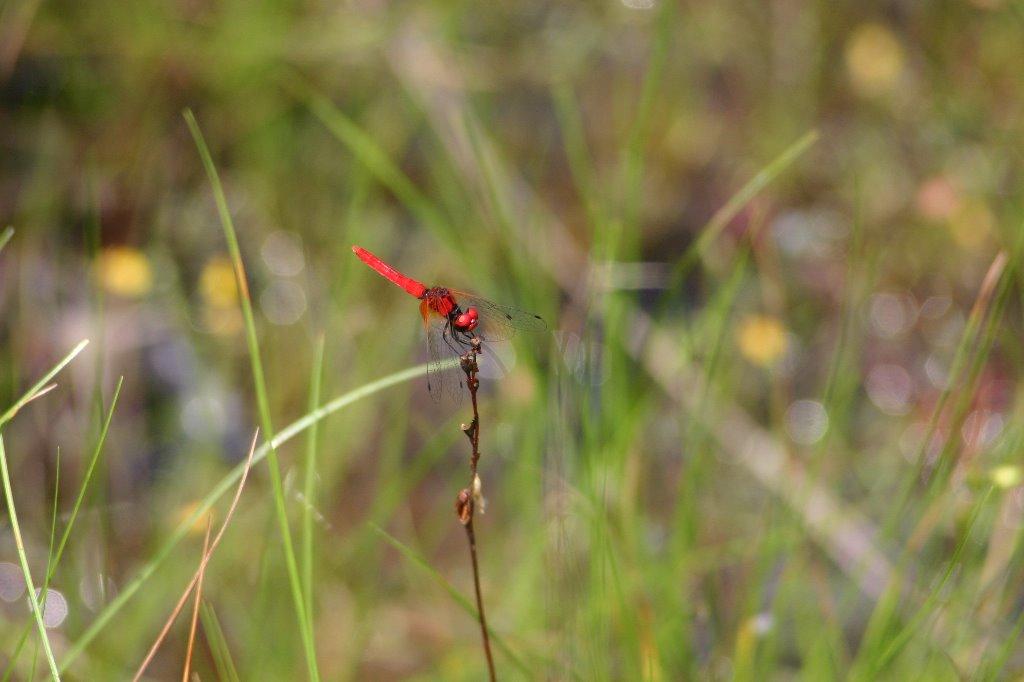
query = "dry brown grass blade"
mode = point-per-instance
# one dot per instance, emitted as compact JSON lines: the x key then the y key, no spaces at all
{"x":199,"y":596}
{"x":933,"y":515}
{"x":35,"y":396}
{"x":39,"y":394}
{"x":202,"y":564}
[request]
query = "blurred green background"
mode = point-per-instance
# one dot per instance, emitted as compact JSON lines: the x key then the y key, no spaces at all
{"x":775,"y":431}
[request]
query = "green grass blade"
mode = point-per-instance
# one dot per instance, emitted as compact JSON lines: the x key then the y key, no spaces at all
{"x":897,"y":642}
{"x":309,"y":485}
{"x":16,"y":529}
{"x":54,"y":560}
{"x":262,"y":400}
{"x":12,"y":659}
{"x":222,"y":487}
{"x":738,"y":201}
{"x":40,"y":385}
{"x":219,"y":649}
{"x":363,"y":147}
{"x":969,"y":346}
{"x":633,"y":157}
{"x":1007,"y":647}
{"x":965,"y":398}
{"x":5,"y":236}
{"x":581,"y":165}
{"x":53,"y":520}
{"x":85,"y":481}
{"x":463,"y":601}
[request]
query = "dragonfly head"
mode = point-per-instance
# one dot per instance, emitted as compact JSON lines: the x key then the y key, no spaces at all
{"x":466,"y":321}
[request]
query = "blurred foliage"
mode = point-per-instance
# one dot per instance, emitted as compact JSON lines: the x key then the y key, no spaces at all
{"x":661,"y":469}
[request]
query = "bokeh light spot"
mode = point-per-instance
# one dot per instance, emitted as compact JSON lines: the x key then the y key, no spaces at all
{"x":937,"y":199}
{"x":283,"y":302}
{"x":55,"y":607}
{"x":806,"y":421}
{"x":890,"y":388}
{"x":809,"y":233}
{"x":892,"y":314}
{"x":981,"y":428}
{"x":937,"y":372}
{"x":935,"y":307}
{"x":204,"y":415}
{"x":282,"y":253}
{"x":12,"y":582}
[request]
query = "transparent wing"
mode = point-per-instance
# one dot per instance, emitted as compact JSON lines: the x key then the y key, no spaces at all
{"x":445,"y":380}
{"x":499,"y":322}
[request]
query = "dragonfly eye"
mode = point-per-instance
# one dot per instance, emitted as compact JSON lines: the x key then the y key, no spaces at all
{"x":473,"y":315}
{"x":464,"y":321}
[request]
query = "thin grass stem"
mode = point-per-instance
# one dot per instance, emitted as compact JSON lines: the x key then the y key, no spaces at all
{"x":262,"y":400}
{"x":40,"y":387}
{"x":23,"y":559}
{"x":221,"y":488}
{"x":309,"y":484}
{"x":198,"y":599}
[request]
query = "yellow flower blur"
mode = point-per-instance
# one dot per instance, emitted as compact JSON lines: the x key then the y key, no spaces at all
{"x":219,"y":293}
{"x":188,"y":509}
{"x":1006,"y":476}
{"x":217,"y":284}
{"x":874,"y":60}
{"x":124,"y":271}
{"x":762,"y":340}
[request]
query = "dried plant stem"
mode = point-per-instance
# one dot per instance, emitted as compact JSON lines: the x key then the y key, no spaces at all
{"x":195,"y":608}
{"x":471,"y":537}
{"x":207,"y":553}
{"x":465,"y":504}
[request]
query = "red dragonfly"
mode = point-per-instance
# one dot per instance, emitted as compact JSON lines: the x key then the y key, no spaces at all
{"x":452,"y":319}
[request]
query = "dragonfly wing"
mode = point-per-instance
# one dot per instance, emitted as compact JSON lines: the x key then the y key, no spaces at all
{"x":444,"y":376}
{"x":499,"y":322}
{"x":496,"y":360}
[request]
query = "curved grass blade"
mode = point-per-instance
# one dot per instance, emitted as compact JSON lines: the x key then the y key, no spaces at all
{"x":262,"y":400}
{"x":218,"y":491}
{"x":369,"y":153}
{"x":737,"y":202}
{"x":40,"y":386}
{"x":55,"y":556}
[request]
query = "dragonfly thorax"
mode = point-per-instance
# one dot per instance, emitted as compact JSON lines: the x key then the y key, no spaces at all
{"x":440,"y":300}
